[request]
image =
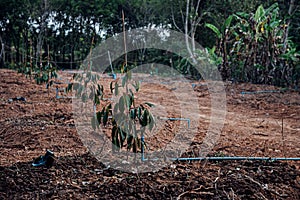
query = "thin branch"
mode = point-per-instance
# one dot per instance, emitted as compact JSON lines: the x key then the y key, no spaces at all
{"x":194,"y":192}
{"x":174,"y":22}
{"x":263,"y":187}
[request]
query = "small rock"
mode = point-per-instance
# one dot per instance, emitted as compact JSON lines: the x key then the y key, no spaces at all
{"x":173,"y":166}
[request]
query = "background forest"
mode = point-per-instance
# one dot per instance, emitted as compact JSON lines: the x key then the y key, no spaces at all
{"x":253,"y":41}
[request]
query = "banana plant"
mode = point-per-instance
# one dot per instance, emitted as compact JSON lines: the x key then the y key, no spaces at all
{"x":223,"y":35}
{"x":251,"y":45}
{"x":255,"y":49}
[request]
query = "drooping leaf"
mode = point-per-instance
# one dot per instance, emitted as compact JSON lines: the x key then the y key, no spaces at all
{"x":69,"y":87}
{"x":116,"y":108}
{"x":99,"y":116}
{"x":132,"y":113}
{"x":273,"y":7}
{"x":151,"y":121}
{"x":105,"y":118}
{"x":93,"y":122}
{"x":96,"y":100}
{"x":121,"y":104}
{"x":227,"y":23}
{"x":127,"y":101}
{"x":136,"y":86}
{"x":111,"y":87}
{"x":214,"y":29}
{"x":122,"y":137}
{"x":139,"y":112}
{"x":144,"y":120}
{"x":129,"y":142}
{"x":124,"y":80}
{"x":149,"y":104}
{"x":260,"y":12}
{"x":131,"y":96}
{"x":129,"y":75}
{"x":116,"y":89}
{"x":84,"y":97}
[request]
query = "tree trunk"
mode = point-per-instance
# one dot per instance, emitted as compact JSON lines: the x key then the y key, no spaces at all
{"x":286,"y":34}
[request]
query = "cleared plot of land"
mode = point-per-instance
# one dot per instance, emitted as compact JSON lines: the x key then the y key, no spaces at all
{"x":253,"y":127}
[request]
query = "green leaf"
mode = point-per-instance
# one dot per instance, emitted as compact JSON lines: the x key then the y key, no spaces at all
{"x":272,"y":8}
{"x":121,"y":104}
{"x":84,"y":97}
{"x":69,"y":87}
{"x":111,"y":87}
{"x":116,"y":108}
{"x":53,"y":74}
{"x":129,"y":75}
{"x":139,"y":112}
{"x":131,"y":97}
{"x":116,"y":89}
{"x":92,"y":94}
{"x":239,"y":15}
{"x":150,"y":104}
{"x":93,"y":122}
{"x":227,"y":23}
{"x":136,"y":86}
{"x":100,"y":90}
{"x":214,"y":29}
{"x":105,"y":118}
{"x":124,"y":80}
{"x":144,"y":120}
{"x":96,"y":99}
{"x":99,"y":116}
{"x":260,"y":12}
{"x":151,"y":122}
{"x":115,"y":139}
{"x":127,"y":101}
{"x":129,"y":142}
{"x":132,"y":114}
{"x":122,"y":137}
{"x":80,"y":89}
{"x":45,"y":77}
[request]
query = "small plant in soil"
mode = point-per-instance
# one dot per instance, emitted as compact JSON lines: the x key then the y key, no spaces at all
{"x":129,"y":120}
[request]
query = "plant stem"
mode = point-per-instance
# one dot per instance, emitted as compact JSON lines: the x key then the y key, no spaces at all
{"x":282,"y":137}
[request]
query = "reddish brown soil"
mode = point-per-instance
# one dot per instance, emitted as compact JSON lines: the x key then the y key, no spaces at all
{"x":253,"y":127}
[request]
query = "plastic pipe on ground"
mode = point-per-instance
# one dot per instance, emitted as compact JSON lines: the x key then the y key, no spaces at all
{"x":177,"y":119}
{"x":226,"y":158}
{"x":236,"y":158}
{"x":194,"y":85}
{"x":109,"y":76}
{"x":73,"y":71}
{"x":62,"y":97}
{"x":261,"y":91}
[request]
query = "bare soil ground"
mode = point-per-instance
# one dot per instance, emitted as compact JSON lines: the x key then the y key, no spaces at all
{"x":253,"y":127}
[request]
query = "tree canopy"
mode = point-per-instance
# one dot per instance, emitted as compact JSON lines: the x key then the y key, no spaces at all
{"x":34,"y":31}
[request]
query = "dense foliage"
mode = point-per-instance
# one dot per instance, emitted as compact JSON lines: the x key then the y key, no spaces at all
{"x":35,"y":35}
{"x":255,"y":48}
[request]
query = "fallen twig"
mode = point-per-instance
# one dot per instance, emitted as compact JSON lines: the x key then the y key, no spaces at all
{"x":265,"y":188}
{"x":194,"y":192}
